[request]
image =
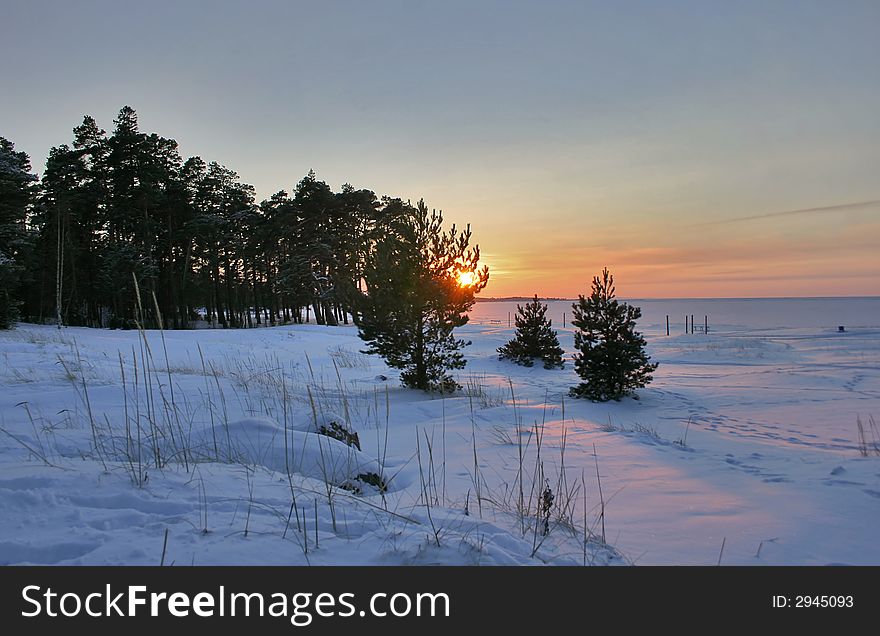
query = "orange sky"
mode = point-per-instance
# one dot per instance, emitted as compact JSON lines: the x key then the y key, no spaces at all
{"x":819,"y":253}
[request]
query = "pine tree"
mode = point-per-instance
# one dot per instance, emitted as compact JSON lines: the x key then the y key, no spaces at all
{"x":534,"y":338}
{"x":611,"y":356}
{"x":69,"y":220}
{"x":9,"y":274}
{"x":313,"y":262}
{"x":16,"y":194}
{"x":414,"y":297}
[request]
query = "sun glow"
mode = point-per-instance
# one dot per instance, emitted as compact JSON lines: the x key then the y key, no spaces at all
{"x":466,"y":279}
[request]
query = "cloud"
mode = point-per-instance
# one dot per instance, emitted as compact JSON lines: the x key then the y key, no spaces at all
{"x":841,"y":207}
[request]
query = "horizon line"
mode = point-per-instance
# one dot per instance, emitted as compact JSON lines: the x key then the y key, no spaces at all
{"x":561,"y":298}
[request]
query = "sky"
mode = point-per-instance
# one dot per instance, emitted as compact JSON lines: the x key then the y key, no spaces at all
{"x":696,"y":149}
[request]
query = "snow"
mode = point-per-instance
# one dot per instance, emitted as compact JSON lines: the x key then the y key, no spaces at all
{"x":747,"y":437}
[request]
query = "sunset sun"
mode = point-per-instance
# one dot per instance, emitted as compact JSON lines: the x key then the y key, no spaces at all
{"x":466,"y":279}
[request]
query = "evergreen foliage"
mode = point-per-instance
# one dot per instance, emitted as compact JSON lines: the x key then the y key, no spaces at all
{"x":116,"y":206}
{"x":534,"y":338}
{"x":414,"y":299}
{"x":16,"y":197}
{"x":611,"y":356}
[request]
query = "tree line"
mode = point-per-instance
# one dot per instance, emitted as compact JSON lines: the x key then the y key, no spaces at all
{"x":117,"y":211}
{"x":120,"y":220}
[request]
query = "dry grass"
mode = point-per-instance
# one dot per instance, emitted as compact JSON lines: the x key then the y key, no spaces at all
{"x":869,"y":437}
{"x":347,"y":359}
{"x":486,"y":397}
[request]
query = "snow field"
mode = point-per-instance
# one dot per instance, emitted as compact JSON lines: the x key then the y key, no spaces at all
{"x":747,"y":439}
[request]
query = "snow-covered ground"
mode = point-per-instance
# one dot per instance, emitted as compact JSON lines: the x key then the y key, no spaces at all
{"x":748,"y":438}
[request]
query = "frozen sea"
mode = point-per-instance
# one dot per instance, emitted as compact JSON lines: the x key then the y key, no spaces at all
{"x":725,"y":315}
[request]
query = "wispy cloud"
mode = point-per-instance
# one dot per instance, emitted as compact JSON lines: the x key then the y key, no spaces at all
{"x":841,"y":207}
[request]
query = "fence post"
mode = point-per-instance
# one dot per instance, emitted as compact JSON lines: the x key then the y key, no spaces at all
{"x":706,"y":326}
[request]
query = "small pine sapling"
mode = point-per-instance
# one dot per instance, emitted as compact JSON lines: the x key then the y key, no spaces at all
{"x":610,"y":356}
{"x":534,"y":339}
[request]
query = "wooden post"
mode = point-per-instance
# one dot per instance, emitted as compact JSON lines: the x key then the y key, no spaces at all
{"x":686,"y":323}
{"x":563,"y":320}
{"x":667,"y":324}
{"x":508,"y":320}
{"x":692,"y":325}
{"x":706,"y":326}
